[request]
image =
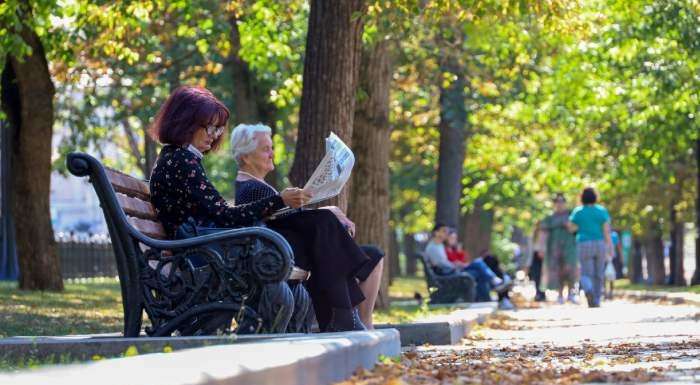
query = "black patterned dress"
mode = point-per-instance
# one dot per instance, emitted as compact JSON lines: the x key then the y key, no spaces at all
{"x":180,"y":190}
{"x":322,"y":245}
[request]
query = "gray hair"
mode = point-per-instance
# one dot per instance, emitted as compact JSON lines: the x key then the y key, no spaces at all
{"x":243,"y":140}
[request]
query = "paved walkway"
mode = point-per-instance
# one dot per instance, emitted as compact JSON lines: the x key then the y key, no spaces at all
{"x":622,"y":341}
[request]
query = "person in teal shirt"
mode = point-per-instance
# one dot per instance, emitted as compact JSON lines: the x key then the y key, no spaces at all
{"x":591,"y":222}
{"x":560,"y":254}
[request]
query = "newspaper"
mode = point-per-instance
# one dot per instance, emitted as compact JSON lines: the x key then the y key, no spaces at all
{"x":330,"y":175}
{"x":333,"y":172}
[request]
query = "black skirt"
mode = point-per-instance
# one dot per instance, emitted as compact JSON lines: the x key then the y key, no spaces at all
{"x":322,"y":245}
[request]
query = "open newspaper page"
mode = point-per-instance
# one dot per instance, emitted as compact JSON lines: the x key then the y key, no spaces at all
{"x":330,"y":175}
{"x":333,"y":172}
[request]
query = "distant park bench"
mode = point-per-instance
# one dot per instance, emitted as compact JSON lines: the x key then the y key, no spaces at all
{"x":447,"y":288}
{"x":242,"y":276}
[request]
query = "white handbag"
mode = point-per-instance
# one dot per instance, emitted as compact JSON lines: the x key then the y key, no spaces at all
{"x":610,"y":272}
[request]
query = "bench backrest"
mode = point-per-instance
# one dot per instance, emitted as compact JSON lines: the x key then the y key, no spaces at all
{"x":126,"y":207}
{"x":430,"y":275}
{"x":134,"y":197}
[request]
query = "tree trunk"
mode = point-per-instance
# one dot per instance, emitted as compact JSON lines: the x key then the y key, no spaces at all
{"x":477,"y":228}
{"x":369,"y":191}
{"x":453,"y":122}
{"x":250,"y":99}
{"x":132,"y":139}
{"x":635,"y":273}
{"x":654,"y":252}
{"x":331,"y":65}
{"x":395,"y":265}
{"x":409,"y":251}
{"x":675,"y":253}
{"x":31,"y":121}
{"x":673,"y":226}
{"x":9,"y":269}
{"x":696,"y":276}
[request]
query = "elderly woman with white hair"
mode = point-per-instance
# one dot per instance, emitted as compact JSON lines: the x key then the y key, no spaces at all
{"x":344,"y":275}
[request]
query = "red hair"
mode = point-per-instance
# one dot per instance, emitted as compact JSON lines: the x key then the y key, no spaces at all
{"x":188,"y":109}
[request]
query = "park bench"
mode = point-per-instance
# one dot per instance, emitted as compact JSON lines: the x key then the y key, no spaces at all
{"x":447,"y":288}
{"x":242,"y":277}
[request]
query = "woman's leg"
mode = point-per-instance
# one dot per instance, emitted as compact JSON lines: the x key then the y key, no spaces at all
{"x":494,"y":265}
{"x":483,"y":277}
{"x":479,"y":268}
{"x":536,"y":276}
{"x":370,"y":289}
{"x":333,"y":307}
{"x":590,"y":279}
{"x":599,"y":272}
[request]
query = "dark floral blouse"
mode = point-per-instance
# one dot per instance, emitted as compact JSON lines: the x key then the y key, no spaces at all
{"x":252,"y":190}
{"x":180,"y":190}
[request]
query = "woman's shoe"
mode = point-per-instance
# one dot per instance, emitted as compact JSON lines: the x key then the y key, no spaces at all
{"x":343,"y":320}
{"x":502,"y":285}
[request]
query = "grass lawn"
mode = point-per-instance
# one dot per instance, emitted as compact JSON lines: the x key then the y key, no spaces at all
{"x":94,"y":306}
{"x":624,"y":284}
{"x":83,"y":308}
{"x":404,"y":288}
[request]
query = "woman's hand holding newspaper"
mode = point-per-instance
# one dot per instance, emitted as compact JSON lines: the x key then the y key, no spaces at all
{"x":295,"y":197}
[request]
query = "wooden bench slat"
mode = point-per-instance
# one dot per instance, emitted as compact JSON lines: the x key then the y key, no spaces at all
{"x":128,"y":185}
{"x":136,"y":207}
{"x":150,"y":228}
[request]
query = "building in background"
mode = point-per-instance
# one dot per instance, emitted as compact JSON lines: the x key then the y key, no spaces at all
{"x":75,"y":206}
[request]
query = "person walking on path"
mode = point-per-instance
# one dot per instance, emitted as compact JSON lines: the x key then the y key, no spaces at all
{"x":535,"y":270}
{"x":591,"y":222}
{"x":560,"y":251}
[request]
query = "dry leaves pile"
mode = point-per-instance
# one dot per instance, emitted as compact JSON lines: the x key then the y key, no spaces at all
{"x":649,"y":298}
{"x":521,"y":302}
{"x":528,"y":364}
{"x":499,"y":321}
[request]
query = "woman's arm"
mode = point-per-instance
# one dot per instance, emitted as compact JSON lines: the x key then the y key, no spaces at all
{"x":608,"y":241}
{"x":208,"y":200}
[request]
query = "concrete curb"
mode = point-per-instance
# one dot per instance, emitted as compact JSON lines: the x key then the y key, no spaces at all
{"x":66,"y":349}
{"x":314,"y":360}
{"x":445,"y":329}
{"x":675,"y":297}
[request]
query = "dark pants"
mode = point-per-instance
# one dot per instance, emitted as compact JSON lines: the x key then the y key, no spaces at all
{"x":536,"y":272}
{"x":492,"y":262}
{"x":617,"y":264}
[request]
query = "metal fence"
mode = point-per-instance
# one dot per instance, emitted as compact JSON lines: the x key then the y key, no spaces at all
{"x":86,"y":257}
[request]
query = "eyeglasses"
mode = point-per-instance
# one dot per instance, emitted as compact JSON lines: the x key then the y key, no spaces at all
{"x":214,"y":131}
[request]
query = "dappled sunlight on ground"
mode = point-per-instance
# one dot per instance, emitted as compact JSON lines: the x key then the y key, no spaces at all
{"x":620,"y":342}
{"x":83,"y":308}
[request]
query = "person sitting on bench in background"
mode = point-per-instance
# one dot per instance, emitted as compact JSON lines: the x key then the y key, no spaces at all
{"x":492,"y":262}
{"x":485,"y":278}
